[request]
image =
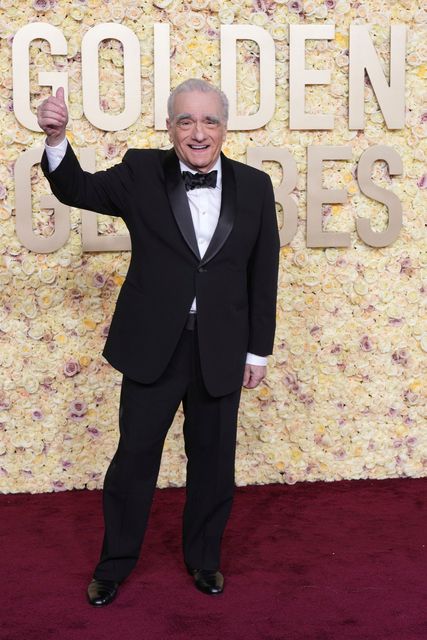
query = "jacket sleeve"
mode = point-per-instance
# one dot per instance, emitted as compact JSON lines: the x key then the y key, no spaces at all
{"x":262,"y":278}
{"x":103,"y":191}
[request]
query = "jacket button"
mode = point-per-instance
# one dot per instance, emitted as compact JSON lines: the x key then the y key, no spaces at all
{"x":201,"y":269}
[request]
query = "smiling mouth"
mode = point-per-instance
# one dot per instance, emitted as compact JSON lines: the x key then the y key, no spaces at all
{"x":198,"y":147}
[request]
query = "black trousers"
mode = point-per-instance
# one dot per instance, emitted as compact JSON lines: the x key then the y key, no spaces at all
{"x":146,"y":413}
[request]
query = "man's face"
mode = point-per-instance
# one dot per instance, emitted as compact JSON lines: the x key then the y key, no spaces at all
{"x":197,"y":129}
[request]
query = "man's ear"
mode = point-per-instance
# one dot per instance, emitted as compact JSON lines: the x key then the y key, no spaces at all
{"x":168,"y":127}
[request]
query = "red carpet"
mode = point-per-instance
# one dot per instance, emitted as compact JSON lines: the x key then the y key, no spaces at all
{"x":339,"y":561}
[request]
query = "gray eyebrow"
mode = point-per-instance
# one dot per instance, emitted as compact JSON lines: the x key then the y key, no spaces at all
{"x":213,"y":118}
{"x":184,"y":116}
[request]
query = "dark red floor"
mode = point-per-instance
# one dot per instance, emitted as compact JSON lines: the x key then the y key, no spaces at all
{"x":324,"y":561}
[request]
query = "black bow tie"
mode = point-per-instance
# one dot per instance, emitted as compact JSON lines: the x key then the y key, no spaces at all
{"x":199,"y":180}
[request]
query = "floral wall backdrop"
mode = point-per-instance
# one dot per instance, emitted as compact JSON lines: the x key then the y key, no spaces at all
{"x":345,"y":395}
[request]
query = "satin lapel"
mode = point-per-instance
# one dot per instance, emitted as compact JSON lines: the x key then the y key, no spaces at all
{"x":179,"y":201}
{"x":227,"y":212}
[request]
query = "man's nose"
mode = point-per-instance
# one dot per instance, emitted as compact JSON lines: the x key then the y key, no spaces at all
{"x":198,"y":131}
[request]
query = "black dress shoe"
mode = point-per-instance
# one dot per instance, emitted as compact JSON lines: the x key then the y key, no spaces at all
{"x":102,"y":592}
{"x":208,"y":581}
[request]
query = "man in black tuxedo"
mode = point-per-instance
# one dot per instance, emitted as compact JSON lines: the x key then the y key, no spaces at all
{"x":194,"y":320}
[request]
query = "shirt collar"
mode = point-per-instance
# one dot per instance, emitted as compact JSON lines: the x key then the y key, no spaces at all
{"x":216,"y":167}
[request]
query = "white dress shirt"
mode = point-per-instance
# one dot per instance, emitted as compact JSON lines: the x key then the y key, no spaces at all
{"x":205,"y":205}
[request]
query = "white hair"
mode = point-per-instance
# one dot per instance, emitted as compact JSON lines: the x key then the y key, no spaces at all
{"x":197,"y":84}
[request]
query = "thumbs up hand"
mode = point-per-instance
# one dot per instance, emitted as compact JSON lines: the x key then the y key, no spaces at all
{"x":52,"y":116}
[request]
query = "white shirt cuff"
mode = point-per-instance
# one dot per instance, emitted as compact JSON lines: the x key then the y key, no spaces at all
{"x":260,"y":361}
{"x":55,"y":154}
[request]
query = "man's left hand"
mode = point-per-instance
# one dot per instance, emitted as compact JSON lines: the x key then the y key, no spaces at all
{"x":253,"y":375}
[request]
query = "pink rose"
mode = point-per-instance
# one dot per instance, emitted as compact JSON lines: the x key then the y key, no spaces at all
{"x":340,"y":454}
{"x":47,"y":383}
{"x":93,"y":431}
{"x":410,"y":397}
{"x":58,"y":486}
{"x":295,"y":6}
{"x":71,"y":368}
{"x":400,"y":356}
{"x":111,"y":150}
{"x":365,"y":343}
{"x":266,"y":6}
{"x":406,"y":266}
{"x":316,"y":331}
{"x":41,"y":5}
{"x":78,"y":410}
{"x":306,"y":399}
{"x":291,"y":382}
{"x":76,"y":294}
{"x":104,"y":331}
{"x":99,"y":280}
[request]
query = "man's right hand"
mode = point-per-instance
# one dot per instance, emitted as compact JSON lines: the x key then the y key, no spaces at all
{"x":52,"y":116}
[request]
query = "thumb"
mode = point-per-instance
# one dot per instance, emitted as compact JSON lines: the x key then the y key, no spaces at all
{"x":60,"y":94}
{"x":246,"y":375}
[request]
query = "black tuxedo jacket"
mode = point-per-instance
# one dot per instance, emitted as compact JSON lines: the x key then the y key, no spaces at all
{"x":235,"y":283}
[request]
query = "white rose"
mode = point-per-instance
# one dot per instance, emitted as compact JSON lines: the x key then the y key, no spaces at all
{"x":226,"y":15}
